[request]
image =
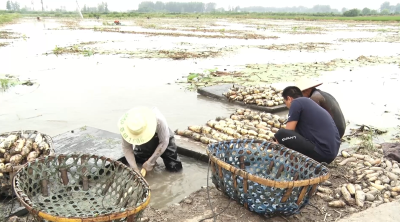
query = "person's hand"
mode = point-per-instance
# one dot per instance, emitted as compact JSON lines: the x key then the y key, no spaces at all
{"x":148,"y":166}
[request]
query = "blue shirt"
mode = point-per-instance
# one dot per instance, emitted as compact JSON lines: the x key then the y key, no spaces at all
{"x":316,"y":125}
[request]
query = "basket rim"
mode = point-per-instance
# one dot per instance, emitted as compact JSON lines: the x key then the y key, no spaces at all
{"x":100,"y":217}
{"x":49,"y":141}
{"x":264,"y":181}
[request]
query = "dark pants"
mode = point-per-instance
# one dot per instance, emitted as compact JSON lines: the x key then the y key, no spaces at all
{"x":170,"y":157}
{"x":293,"y":140}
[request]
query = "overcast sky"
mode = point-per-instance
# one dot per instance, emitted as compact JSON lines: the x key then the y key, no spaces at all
{"x":123,"y":5}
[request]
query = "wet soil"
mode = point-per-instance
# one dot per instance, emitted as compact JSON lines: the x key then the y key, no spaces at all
{"x":196,"y":207}
{"x":168,"y":188}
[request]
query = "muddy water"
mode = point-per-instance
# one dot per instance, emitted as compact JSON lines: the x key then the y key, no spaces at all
{"x":366,"y":95}
{"x":168,"y":188}
{"x":74,"y":90}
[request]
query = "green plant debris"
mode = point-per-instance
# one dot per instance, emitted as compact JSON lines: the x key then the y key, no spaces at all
{"x":74,"y":49}
{"x":367,"y":141}
{"x":10,"y":35}
{"x":209,"y":77}
{"x":87,"y":53}
{"x":8,"y":17}
{"x":365,"y":136}
{"x":87,"y":49}
{"x":309,"y":47}
{"x":2,"y":44}
{"x":180,"y":55}
{"x":8,"y":81}
{"x":178,"y":34}
{"x":255,"y":74}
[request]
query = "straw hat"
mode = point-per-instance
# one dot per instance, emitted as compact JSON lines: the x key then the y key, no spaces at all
{"x":138,"y":125}
{"x":304,"y":84}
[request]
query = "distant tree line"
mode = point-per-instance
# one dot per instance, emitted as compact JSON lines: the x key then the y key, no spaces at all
{"x":101,"y":8}
{"x":200,"y":7}
{"x":385,"y":9}
{"x":13,"y":6}
{"x":177,"y":7}
{"x":300,"y":9}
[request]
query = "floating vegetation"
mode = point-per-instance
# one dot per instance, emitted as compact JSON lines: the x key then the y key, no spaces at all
{"x":256,"y":74}
{"x":308,"y":46}
{"x":9,"y":35}
{"x":2,"y":44}
{"x":8,"y":81}
{"x":391,"y":38}
{"x":86,"y":49}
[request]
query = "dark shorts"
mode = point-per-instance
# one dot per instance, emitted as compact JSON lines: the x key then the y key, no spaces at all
{"x":170,"y":157}
{"x":293,"y":140}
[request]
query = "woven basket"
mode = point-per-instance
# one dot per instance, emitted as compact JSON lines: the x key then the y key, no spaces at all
{"x":266,"y":178}
{"x":81,"y":187}
{"x":8,"y":173}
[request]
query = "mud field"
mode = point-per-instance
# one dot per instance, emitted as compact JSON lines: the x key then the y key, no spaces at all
{"x":60,"y":74}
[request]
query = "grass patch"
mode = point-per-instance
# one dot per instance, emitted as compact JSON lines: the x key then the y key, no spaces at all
{"x":74,"y":49}
{"x":6,"y":83}
{"x":9,"y":17}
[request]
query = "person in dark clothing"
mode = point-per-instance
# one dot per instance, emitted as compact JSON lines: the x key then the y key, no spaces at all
{"x":325,"y":100}
{"x":146,"y":136}
{"x":310,"y":129}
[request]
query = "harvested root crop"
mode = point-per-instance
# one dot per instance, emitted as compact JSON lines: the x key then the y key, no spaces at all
{"x":243,"y":124}
{"x":259,"y":95}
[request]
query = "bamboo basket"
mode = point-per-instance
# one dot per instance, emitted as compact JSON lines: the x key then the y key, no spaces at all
{"x":264,"y":177}
{"x":8,"y":173}
{"x":81,"y":187}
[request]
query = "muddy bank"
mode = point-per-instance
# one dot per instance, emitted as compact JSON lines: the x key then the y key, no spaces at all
{"x":308,"y":47}
{"x":348,"y":171}
{"x":391,"y":38}
{"x":353,"y":187}
{"x":9,"y":35}
{"x":95,"y":48}
{"x":177,"y":34}
{"x":189,"y":51}
{"x":6,"y":37}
